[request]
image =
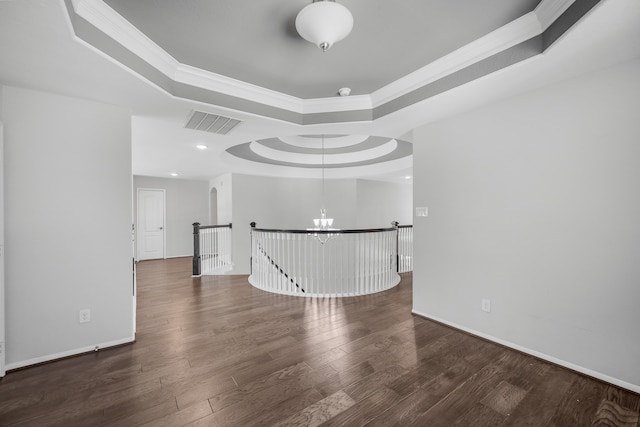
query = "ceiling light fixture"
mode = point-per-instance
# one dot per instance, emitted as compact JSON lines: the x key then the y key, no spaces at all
{"x":323,"y":223}
{"x":201,"y":147}
{"x":324,"y":22}
{"x":173,"y":174}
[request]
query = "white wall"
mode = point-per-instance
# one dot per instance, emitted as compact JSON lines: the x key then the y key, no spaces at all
{"x":2,"y":302}
{"x":186,"y":201}
{"x":285,"y":203}
{"x":68,"y":225}
{"x":223,"y":185}
{"x":380,"y":203}
{"x":534,"y":204}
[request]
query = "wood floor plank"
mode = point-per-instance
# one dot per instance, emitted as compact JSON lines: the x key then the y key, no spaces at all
{"x":319,"y":412}
{"x":192,"y":392}
{"x":610,"y":413}
{"x":479,"y":415}
{"x":475,"y":389}
{"x":144,"y":416}
{"x":142,"y":403}
{"x":214,"y":351}
{"x":262,"y":401}
{"x":624,"y":398}
{"x":365,"y":410}
{"x":248,"y":391}
{"x":367,"y":385}
{"x":344,"y":378}
{"x":284,"y":409}
{"x":540,"y":403}
{"x":426,"y":396}
{"x":580,"y":404}
{"x":182,"y":417}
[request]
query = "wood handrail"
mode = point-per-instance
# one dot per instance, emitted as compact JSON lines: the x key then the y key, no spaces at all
{"x":205,"y":227}
{"x":314,"y":231}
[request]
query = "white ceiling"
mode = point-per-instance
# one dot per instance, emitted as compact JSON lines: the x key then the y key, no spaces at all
{"x":256,"y":41}
{"x":39,"y":49}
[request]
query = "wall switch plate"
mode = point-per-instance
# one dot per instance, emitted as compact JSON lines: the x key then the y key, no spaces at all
{"x":486,"y":305}
{"x":84,"y":316}
{"x":422,"y":211}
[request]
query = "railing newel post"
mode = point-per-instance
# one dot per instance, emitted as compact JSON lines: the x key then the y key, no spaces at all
{"x":197,"y":266}
{"x":395,"y":225}
{"x":211,"y":249}
{"x":252,"y":225}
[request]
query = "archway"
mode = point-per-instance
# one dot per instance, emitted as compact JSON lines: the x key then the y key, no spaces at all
{"x":213,"y":206}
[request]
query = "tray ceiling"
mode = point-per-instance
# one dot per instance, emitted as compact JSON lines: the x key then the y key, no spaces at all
{"x":256,"y":41}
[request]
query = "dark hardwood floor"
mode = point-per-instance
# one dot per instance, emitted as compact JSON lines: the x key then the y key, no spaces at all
{"x":215,"y":351}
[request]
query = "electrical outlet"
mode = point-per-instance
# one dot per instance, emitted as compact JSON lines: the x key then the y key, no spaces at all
{"x":486,"y":305}
{"x":84,"y":316}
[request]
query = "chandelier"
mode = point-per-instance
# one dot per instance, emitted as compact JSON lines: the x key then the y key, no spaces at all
{"x":323,"y":223}
{"x":324,"y":22}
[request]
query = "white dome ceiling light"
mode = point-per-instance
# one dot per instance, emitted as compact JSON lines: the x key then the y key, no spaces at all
{"x":324,"y":22}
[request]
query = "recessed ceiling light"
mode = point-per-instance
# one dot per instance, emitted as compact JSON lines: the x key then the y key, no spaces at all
{"x":407,"y":177}
{"x":202,"y":147}
{"x":173,"y":174}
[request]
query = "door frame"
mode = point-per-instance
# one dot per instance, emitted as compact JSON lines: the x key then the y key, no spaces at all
{"x":164,"y":221}
{"x":3,"y":348}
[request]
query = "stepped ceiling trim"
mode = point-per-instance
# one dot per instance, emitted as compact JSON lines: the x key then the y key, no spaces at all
{"x":330,"y":157}
{"x":375,"y":150}
{"x":314,"y":143}
{"x":99,"y":26}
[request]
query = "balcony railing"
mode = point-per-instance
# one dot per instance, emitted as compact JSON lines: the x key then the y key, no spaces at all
{"x":324,"y":262}
{"x":211,"y":249}
{"x":405,"y":248}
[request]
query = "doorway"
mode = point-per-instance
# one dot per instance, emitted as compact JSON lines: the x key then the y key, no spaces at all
{"x":151,"y":224}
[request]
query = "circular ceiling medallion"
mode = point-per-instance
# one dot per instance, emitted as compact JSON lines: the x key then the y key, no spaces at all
{"x":316,"y":141}
{"x":340,"y":151}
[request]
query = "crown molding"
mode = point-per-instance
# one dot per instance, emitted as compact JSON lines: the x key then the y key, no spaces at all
{"x":346,"y":103}
{"x":550,"y":10}
{"x":105,"y":19}
{"x":218,"y":83}
{"x":99,"y":14}
{"x":503,"y":38}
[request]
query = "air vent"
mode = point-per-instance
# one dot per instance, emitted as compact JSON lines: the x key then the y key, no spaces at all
{"x":199,"y":120}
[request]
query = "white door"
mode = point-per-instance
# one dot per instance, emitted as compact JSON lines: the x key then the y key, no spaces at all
{"x":151,"y":232}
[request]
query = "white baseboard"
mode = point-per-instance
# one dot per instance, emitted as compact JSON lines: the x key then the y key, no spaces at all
{"x":222,"y":271}
{"x":74,"y":352}
{"x":611,"y":380}
{"x":167,"y":257}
